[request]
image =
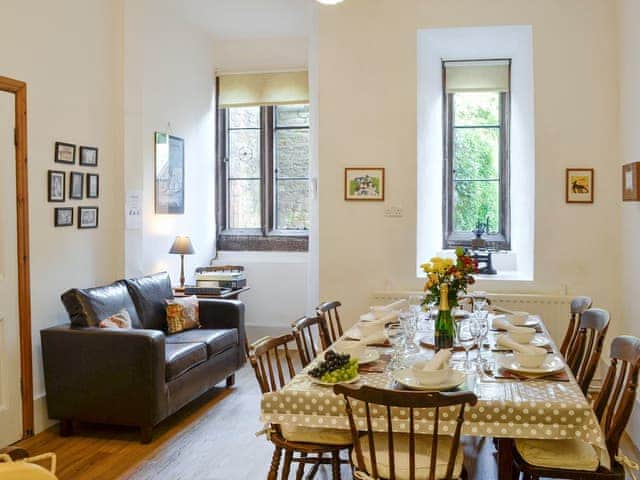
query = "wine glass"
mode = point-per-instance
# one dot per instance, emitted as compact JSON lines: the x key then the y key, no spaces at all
{"x":395,"y":333}
{"x":415,"y":303}
{"x":476,"y":331}
{"x":466,"y":339}
{"x":481,"y":318}
{"x":409,"y":322}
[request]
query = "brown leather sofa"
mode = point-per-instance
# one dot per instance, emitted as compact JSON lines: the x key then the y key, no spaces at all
{"x":136,"y":376}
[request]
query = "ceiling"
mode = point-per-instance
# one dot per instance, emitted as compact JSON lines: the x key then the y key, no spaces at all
{"x":229,"y":19}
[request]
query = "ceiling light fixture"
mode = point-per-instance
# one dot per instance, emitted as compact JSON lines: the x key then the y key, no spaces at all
{"x":330,"y":2}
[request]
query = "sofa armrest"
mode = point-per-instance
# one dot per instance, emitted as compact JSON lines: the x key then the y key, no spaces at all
{"x":218,"y":313}
{"x":105,"y":375}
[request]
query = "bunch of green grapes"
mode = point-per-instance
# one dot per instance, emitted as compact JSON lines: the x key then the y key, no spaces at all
{"x":335,"y":368}
{"x":342,"y":374}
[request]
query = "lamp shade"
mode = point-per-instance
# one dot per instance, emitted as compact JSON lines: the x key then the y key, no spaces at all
{"x":182,"y":246}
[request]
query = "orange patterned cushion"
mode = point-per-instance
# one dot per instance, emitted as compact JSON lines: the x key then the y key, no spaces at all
{"x":182,"y":314}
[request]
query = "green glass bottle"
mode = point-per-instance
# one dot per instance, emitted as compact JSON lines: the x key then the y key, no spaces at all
{"x":444,"y":331}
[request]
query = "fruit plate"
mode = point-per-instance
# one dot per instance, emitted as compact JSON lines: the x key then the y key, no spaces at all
{"x":406,"y":378}
{"x":369,"y":355}
{"x":317,"y":381}
{"x":552,"y":364}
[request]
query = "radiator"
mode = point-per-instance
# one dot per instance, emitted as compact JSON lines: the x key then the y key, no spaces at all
{"x":553,"y":309}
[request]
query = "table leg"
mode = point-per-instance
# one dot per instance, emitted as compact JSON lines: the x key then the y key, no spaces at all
{"x":505,"y":459}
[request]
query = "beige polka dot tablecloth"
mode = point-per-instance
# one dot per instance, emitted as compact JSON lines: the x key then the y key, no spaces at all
{"x":506,"y":408}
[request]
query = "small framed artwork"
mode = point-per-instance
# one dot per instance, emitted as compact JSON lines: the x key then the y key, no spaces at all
{"x":55,"y":182}
{"x":579,"y":185}
{"x":76,"y":185}
{"x":87,"y":217}
{"x":364,"y":183}
{"x":93,"y":185}
{"x":88,"y":157}
{"x":63,"y":217}
{"x":65,"y":153}
{"x":630,"y":175}
{"x":169,"y":174}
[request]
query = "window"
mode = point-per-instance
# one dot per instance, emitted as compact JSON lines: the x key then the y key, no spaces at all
{"x":476,"y":151}
{"x":263,"y":177}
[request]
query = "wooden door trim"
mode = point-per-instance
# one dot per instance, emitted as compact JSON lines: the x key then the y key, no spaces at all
{"x":19,"y":89}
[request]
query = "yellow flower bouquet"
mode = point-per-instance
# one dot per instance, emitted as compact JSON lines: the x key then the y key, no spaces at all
{"x":458,"y":274}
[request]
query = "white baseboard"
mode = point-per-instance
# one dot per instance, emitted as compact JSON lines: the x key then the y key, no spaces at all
{"x":41,"y":418}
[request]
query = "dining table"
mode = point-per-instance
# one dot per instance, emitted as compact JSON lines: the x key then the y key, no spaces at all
{"x":509,"y":406}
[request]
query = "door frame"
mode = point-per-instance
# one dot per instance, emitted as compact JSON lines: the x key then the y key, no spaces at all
{"x":19,"y":89}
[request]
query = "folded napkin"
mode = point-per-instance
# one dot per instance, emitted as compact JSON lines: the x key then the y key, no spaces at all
{"x":397,"y":305}
{"x":367,"y":317}
{"x":379,"y":338}
{"x":501,"y":323}
{"x":505,"y":341}
{"x":389,"y":317}
{"x":439,"y":361}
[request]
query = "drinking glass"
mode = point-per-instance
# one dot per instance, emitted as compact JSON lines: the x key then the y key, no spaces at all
{"x":466,"y":339}
{"x":415,"y":303}
{"x":480,"y":304}
{"x":476,"y":331}
{"x":409,"y":321}
{"x":395,"y":333}
{"x":482,"y":319}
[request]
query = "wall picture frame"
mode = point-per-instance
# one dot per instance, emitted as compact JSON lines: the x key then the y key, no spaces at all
{"x":93,"y":185}
{"x":630,"y":180}
{"x":63,"y":217}
{"x":87,"y":217}
{"x":76,"y":185}
{"x":579,"y":184}
{"x":56,"y":186}
{"x":169,"y":174}
{"x":364,"y":183}
{"x":88,"y":156}
{"x":64,"y":153}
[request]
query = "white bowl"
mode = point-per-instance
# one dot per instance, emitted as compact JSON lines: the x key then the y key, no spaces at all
{"x":518,"y":318}
{"x":368,"y":328}
{"x":531,"y":360}
{"x":430,"y":377}
{"x":522,"y":337}
{"x":355,"y":349}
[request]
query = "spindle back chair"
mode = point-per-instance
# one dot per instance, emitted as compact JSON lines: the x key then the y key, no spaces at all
{"x":578,"y":306}
{"x":329,"y":311}
{"x":303,"y":332}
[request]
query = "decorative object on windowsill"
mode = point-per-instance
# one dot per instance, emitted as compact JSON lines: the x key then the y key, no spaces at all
{"x":88,"y":157}
{"x":630,"y":188}
{"x":478,"y":242}
{"x":364,"y":183}
{"x":65,"y":153}
{"x":169,"y":174}
{"x":182,"y":246}
{"x":579,"y":185}
{"x":480,"y":251}
{"x":458,"y":275}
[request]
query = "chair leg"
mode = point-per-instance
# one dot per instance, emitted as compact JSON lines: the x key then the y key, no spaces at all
{"x":231,"y":380}
{"x":145,"y":434}
{"x":301,"y":464}
{"x":286,"y":467}
{"x":275,"y":464}
{"x":335,"y":464}
{"x":312,"y":473}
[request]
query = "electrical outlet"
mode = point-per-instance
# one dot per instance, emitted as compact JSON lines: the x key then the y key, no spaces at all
{"x":393,"y":212}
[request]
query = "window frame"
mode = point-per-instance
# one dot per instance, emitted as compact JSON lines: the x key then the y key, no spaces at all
{"x":450,"y":238}
{"x":267,"y":237}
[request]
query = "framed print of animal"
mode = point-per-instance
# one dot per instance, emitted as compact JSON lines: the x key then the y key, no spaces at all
{"x":364,"y":183}
{"x":579,"y":185}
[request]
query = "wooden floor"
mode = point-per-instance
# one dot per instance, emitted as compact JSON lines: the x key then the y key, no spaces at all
{"x":211,"y":439}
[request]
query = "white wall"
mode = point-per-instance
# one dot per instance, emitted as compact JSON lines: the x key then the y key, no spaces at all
{"x":69,"y":53}
{"x":367,"y":116}
{"x":169,"y":87}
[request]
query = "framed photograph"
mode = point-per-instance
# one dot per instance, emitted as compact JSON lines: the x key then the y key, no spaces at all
{"x":65,"y":153}
{"x":55,"y":182}
{"x":76,"y":185}
{"x":169,"y":174}
{"x":579,"y":185}
{"x":364,"y":183}
{"x":63,"y":217}
{"x":87,"y":217}
{"x":93,"y":185}
{"x":88,"y":157}
{"x":630,"y":174}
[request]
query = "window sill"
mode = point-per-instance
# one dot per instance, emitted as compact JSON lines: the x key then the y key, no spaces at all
{"x":506,"y":264}
{"x":256,"y":243}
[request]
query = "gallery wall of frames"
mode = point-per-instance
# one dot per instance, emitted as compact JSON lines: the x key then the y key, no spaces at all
{"x":81,"y":182}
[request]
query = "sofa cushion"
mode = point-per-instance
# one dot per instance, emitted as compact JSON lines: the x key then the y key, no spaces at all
{"x":181,"y":357}
{"x":182,"y":314}
{"x":149,"y":294}
{"x":87,"y":307}
{"x":215,"y":340}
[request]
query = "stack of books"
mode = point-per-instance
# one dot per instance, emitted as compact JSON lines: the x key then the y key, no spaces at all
{"x":224,"y":279}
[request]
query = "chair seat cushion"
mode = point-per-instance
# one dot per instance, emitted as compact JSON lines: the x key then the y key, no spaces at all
{"x":320,"y":436}
{"x":215,"y":340}
{"x":181,"y":357}
{"x":401,"y":455}
{"x":569,"y":454}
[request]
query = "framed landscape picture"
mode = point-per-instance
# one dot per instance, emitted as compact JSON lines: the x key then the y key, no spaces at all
{"x":63,"y":217}
{"x":93,"y":185}
{"x":55,"y":186}
{"x":169,"y":174}
{"x":76,"y":184}
{"x":579,"y":185}
{"x":364,"y":183}
{"x":87,"y":217}
{"x":88,"y":157}
{"x":65,"y":153}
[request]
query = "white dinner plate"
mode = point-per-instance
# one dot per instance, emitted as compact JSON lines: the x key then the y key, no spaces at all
{"x":531,"y":321}
{"x":405,"y":377}
{"x":369,"y":355}
{"x":539,"y":341}
{"x":551,"y":364}
{"x":317,"y":381}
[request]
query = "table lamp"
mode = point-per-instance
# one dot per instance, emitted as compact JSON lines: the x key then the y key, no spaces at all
{"x":182,"y":246}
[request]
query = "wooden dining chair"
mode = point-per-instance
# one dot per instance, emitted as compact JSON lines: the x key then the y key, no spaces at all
{"x":393,"y":455}
{"x":585,"y":350}
{"x":578,"y":306}
{"x":575,"y":459}
{"x":303,"y":332}
{"x":329,"y":311}
{"x":273,"y":363}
